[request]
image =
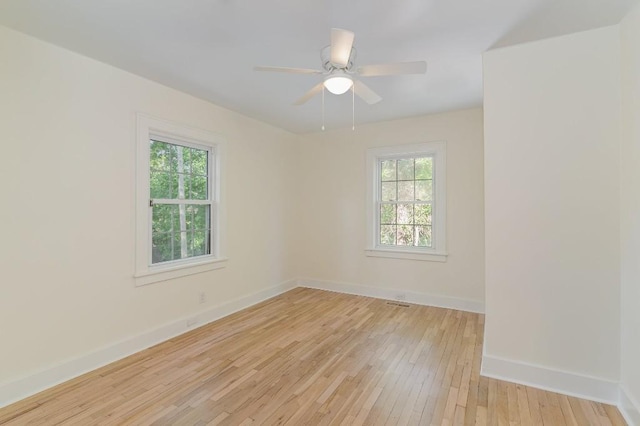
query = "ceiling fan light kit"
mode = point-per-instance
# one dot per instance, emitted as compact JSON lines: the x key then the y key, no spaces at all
{"x":338,"y":83}
{"x":338,"y":69}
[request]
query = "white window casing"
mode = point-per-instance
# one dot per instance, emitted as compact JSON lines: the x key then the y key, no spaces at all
{"x":437,"y":251}
{"x":148,"y":128}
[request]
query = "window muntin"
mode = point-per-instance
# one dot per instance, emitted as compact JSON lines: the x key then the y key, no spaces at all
{"x":181,"y":200}
{"x":405,"y":202}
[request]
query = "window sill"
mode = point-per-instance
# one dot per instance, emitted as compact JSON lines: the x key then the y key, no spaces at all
{"x":407,"y":254}
{"x":163,"y":274}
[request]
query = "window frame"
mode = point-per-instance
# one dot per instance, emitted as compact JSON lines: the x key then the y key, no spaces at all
{"x":437,"y":252}
{"x":165,"y":131}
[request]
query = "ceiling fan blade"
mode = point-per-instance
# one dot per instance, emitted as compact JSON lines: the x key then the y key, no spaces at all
{"x":367,"y":95}
{"x":310,"y":94}
{"x":289,"y":70}
{"x":341,"y":44}
{"x":418,"y":67}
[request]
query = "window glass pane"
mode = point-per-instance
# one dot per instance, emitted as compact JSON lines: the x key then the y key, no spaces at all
{"x":422,"y":214}
{"x":163,"y":217}
{"x":178,"y":172}
{"x":188,"y":161}
{"x":201,"y":217}
{"x":387,"y":214}
{"x":160,"y":184}
{"x":424,"y":168}
{"x":199,"y":162}
{"x":188,"y":217}
{"x":161,"y":247}
{"x":171,"y":157}
{"x":405,"y":214}
{"x":424,"y":190}
{"x":186,"y":157}
{"x":405,"y":191}
{"x":388,"y":170}
{"x":423,"y":236}
{"x":182,"y":186}
{"x":160,"y":156}
{"x":388,"y":234}
{"x":198,"y":243}
{"x":405,"y":169}
{"x":180,"y":246}
{"x":405,"y":235}
{"x":180,"y":231}
{"x":389,"y":191}
{"x":172,"y":182}
{"x":179,"y":218}
{"x":198,"y":187}
{"x":178,"y":163}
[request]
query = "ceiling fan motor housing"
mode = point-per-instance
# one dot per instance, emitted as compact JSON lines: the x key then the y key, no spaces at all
{"x":327,"y":65}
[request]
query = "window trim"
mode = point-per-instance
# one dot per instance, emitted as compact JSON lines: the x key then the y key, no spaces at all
{"x":437,"y":252}
{"x":147,"y":128}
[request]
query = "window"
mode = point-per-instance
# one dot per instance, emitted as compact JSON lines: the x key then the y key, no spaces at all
{"x":178,"y":215}
{"x":406,"y":201}
{"x":181,"y":200}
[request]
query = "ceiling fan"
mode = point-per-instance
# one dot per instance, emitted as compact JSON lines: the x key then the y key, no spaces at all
{"x":339,"y":70}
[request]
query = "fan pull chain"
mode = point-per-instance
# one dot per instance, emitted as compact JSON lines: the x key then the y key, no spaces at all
{"x":353,"y":106}
{"x":322,"y":108}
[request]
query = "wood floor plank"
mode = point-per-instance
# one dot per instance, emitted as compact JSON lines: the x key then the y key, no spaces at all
{"x":492,"y":403}
{"x":310,"y":357}
{"x":614,"y":415}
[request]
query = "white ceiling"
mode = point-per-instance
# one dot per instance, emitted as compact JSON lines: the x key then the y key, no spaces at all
{"x":209,"y":48}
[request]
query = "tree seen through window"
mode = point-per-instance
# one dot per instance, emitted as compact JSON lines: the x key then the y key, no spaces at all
{"x":180,"y":201}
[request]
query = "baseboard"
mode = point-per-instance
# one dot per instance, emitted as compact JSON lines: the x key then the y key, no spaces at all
{"x":572,"y":384}
{"x":14,"y":391}
{"x":629,"y":407}
{"x":391,"y":294}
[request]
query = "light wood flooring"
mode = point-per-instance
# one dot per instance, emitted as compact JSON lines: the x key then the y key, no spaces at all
{"x":310,"y":357}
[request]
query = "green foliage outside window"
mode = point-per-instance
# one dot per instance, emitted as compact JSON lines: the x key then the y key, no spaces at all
{"x":406,"y":194}
{"x":179,"y":230}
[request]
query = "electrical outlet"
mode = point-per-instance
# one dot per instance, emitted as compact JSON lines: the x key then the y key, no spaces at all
{"x":202,"y":297}
{"x":192,"y":321}
{"x":401,"y":296}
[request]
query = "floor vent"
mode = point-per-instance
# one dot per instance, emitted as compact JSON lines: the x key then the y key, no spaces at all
{"x":402,"y":305}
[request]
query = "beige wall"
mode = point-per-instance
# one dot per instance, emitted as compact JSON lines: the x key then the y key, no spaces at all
{"x":332,"y":228}
{"x":630,"y":208}
{"x":552,"y":129}
{"x":67,"y":132}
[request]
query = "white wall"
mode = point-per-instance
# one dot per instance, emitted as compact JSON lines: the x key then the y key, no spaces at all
{"x":332,"y":236}
{"x":552,"y":129}
{"x":630,"y":213}
{"x":67,"y":132}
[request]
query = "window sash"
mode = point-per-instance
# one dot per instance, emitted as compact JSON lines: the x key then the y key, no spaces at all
{"x":380,"y":202}
{"x":210,"y":201}
{"x":379,"y":226}
{"x":209,"y":229}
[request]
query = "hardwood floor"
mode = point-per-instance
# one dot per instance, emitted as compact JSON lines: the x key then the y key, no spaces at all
{"x":310,"y":357}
